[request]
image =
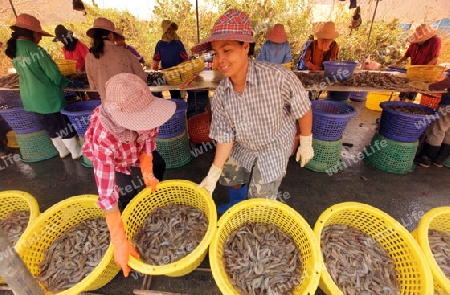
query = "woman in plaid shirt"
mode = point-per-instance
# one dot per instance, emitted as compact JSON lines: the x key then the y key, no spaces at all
{"x":255,"y":111}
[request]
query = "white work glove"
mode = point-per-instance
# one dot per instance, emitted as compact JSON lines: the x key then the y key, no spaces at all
{"x":420,"y":85}
{"x":305,"y":151}
{"x":210,"y":181}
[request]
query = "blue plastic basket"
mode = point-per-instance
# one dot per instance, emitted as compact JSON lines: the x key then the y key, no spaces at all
{"x":177,"y":123}
{"x":18,"y":119}
{"x":338,"y":95}
{"x":403,"y":126}
{"x":339,"y":70}
{"x":79,"y":114}
{"x":7,"y":95}
{"x":358,"y":96}
{"x":330,"y":118}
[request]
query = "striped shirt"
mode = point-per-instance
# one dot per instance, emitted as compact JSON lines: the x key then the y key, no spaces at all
{"x":261,"y":122}
{"x":109,"y":155}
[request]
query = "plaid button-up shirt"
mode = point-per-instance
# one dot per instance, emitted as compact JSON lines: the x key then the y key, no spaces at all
{"x":262,"y":120}
{"x":109,"y":155}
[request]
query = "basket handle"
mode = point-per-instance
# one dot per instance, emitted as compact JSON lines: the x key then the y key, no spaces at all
{"x":186,"y":84}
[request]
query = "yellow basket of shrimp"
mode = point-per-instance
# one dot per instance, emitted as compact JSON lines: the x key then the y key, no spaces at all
{"x":263,"y":246}
{"x":424,"y":73}
{"x":67,"y":248}
{"x":19,"y":209}
{"x":433,"y":235}
{"x":66,"y":66}
{"x":170,"y":228}
{"x":366,"y":250}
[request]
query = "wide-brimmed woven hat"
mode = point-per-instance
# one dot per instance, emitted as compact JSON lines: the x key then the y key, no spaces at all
{"x":232,"y":25}
{"x":26,"y":21}
{"x":327,"y":31}
{"x":422,"y":33}
{"x":131,"y":104}
{"x":101,"y":23}
{"x":277,"y":34}
{"x":61,"y":32}
{"x":166,"y":24}
{"x":118,"y":32}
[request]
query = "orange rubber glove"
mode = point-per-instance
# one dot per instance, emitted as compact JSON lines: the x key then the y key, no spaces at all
{"x":155,"y":65}
{"x":147,"y":171}
{"x":122,"y":247}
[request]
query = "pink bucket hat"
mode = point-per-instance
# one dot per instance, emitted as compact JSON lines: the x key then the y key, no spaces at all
{"x":422,"y":33}
{"x":101,"y":23}
{"x":131,"y":104}
{"x":232,"y":25}
{"x":277,"y":34}
{"x":327,"y":31}
{"x":26,"y":21}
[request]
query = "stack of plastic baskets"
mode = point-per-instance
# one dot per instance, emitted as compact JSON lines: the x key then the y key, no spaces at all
{"x":358,"y":96}
{"x":79,"y":114}
{"x":172,"y":141}
{"x":431,"y":100}
{"x":401,"y":125}
{"x":330,"y":118}
{"x":198,"y":127}
{"x":34,"y":142}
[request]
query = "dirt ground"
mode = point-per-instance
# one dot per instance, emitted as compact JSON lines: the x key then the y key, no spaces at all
{"x":405,"y":197}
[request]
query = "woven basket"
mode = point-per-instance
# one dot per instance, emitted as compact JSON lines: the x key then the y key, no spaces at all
{"x":436,"y":219}
{"x":391,"y":155}
{"x":358,"y":96}
{"x":66,"y":66}
{"x":36,"y":146}
{"x":170,"y":192}
{"x":330,"y":118}
{"x":15,"y":200}
{"x":327,"y":156}
{"x":53,"y":223}
{"x":79,"y":114}
{"x":12,"y":141}
{"x":414,"y":275}
{"x":198,"y":127}
{"x":424,"y":73}
{"x":198,"y":65}
{"x":269,"y":212}
{"x":177,"y":123}
{"x":178,"y":74}
{"x":175,"y":151}
{"x":20,"y":120}
{"x":7,"y":95}
{"x":431,"y":100}
{"x":403,"y":126}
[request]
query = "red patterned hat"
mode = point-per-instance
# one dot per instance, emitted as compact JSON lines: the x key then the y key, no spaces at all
{"x":232,"y":25}
{"x":26,"y":21}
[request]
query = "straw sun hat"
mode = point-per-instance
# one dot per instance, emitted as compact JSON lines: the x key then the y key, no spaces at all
{"x":277,"y":34}
{"x":131,"y":104}
{"x":26,"y":21}
{"x":232,"y":25}
{"x":327,"y":31}
{"x":101,"y":23}
{"x":422,"y":33}
{"x":166,"y":24}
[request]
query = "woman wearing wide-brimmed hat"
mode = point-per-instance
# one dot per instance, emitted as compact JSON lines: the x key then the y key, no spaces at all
{"x":255,"y":113}
{"x":120,"y":142}
{"x":324,"y":48}
{"x":40,"y":83}
{"x":276,"y":49}
{"x":73,"y":48}
{"x":105,"y":59}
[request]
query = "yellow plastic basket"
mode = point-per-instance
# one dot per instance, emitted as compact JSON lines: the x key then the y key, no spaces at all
{"x":15,"y":200}
{"x":288,"y":65}
{"x":413,"y":272}
{"x":198,"y":65}
{"x":425,"y":73}
{"x":375,"y":98}
{"x":437,"y":219}
{"x":269,"y":212}
{"x":12,"y":141}
{"x":178,"y":74}
{"x":66,"y":66}
{"x":181,"y":192}
{"x":50,"y":225}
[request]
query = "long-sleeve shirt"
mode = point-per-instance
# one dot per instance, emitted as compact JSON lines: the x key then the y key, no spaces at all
{"x":422,"y":54}
{"x":317,"y":56}
{"x":40,"y":79}
{"x":278,"y":53}
{"x":261,"y":122}
{"x":114,"y":60}
{"x":78,"y":54}
{"x":109,"y":155}
{"x":170,"y":54}
{"x":133,"y":50}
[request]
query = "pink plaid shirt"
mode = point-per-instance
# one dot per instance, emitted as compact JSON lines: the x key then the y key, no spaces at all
{"x":109,"y":155}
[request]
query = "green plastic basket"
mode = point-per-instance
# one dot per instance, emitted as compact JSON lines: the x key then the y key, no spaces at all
{"x":175,"y":151}
{"x":327,"y":156}
{"x":36,"y":146}
{"x":85,"y":161}
{"x":447,"y":162}
{"x":391,"y":155}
